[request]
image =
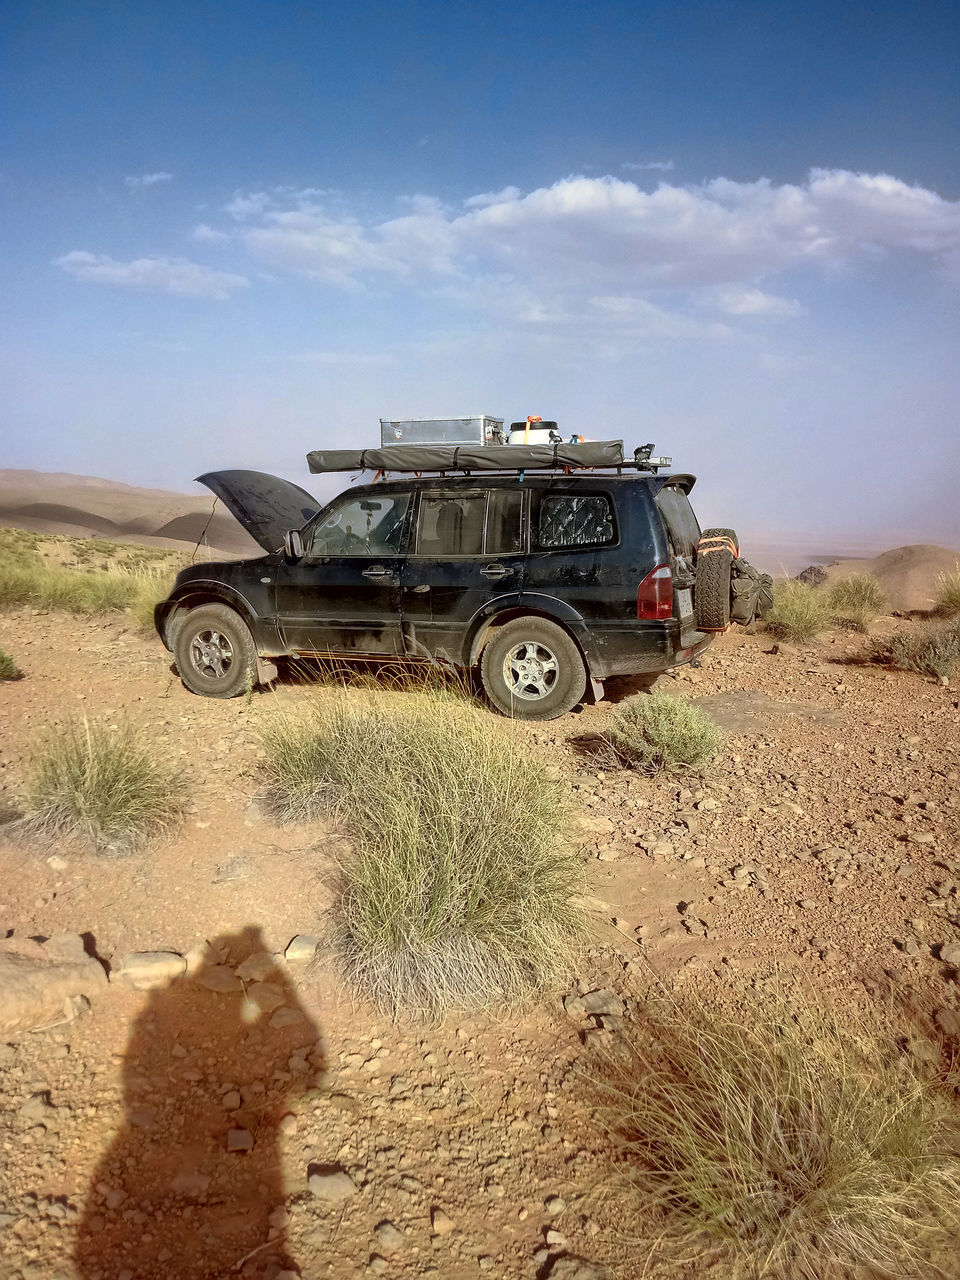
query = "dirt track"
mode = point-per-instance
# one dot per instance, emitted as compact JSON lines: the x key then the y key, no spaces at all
{"x":835,"y":796}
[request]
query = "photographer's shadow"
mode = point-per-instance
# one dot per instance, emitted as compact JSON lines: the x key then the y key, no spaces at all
{"x":188,"y":1186}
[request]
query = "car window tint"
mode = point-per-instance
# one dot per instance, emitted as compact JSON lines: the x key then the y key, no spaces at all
{"x":372,"y":525}
{"x":679,"y":518}
{"x":575,"y":520}
{"x":504,"y":509}
{"x":451,"y":525}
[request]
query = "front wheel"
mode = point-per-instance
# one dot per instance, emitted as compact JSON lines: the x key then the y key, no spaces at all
{"x":215,"y":653}
{"x":531,"y":669}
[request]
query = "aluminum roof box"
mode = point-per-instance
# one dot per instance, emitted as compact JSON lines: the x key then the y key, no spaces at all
{"x":475,"y":429}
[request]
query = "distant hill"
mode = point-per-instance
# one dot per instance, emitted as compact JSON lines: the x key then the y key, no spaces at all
{"x":908,"y":575}
{"x":89,"y":507}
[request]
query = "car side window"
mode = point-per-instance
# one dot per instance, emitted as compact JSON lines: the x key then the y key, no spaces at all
{"x":575,"y":520}
{"x":504,"y":535}
{"x":451,"y":524}
{"x":367,"y":526}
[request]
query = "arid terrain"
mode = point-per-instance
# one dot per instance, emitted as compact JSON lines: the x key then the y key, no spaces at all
{"x":811,"y":851}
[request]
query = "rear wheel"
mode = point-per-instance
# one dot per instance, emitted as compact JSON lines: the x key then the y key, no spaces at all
{"x":716,"y":552}
{"x":533,"y":670}
{"x":215,"y":653}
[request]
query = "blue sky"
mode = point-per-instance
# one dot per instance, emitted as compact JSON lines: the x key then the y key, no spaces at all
{"x":235,"y":232}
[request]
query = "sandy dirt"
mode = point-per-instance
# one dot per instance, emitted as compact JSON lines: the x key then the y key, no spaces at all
{"x":821,"y":846}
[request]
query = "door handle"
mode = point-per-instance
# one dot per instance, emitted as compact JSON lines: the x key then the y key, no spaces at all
{"x":495,"y":571}
{"x":376,"y":571}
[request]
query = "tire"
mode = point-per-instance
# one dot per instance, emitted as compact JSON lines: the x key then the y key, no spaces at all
{"x":532,"y":669}
{"x":215,"y":653}
{"x":711,"y":597}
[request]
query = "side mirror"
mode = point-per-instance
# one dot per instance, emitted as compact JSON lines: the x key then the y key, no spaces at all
{"x":293,"y":544}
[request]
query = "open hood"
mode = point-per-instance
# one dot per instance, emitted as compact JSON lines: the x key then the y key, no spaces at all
{"x":266,"y":506}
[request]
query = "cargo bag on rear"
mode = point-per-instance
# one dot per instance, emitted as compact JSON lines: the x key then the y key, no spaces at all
{"x":751,"y":593}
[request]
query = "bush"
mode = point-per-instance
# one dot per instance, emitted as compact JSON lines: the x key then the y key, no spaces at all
{"x":931,"y":649}
{"x":26,"y":579}
{"x":800,"y":613}
{"x":855,"y":601}
{"x":948,"y":594}
{"x":8,"y":668}
{"x":459,"y":891}
{"x":108,"y":787}
{"x":656,"y":731}
{"x":794,"y":1151}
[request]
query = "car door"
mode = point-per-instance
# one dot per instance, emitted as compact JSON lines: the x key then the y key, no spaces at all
{"x":466,"y":557}
{"x":343,"y":595}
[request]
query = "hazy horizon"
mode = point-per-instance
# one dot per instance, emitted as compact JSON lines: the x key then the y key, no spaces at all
{"x":236,"y":233}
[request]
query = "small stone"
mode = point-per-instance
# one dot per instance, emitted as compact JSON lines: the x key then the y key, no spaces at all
{"x":231,"y":1101}
{"x":442,"y":1225}
{"x":142,"y":1117}
{"x":278,"y":1217}
{"x":286,"y":1018}
{"x":948,"y":1023}
{"x":808,"y":904}
{"x":377,"y":1264}
{"x":331,"y":1185}
{"x":555,"y":1239}
{"x":266,"y":996}
{"x":554,"y":1205}
{"x":148,"y":970}
{"x":219,"y":978}
{"x":239,"y":1140}
{"x":950,"y":953}
{"x":574,"y":1268}
{"x":288,"y":1125}
{"x":603,"y":1002}
{"x":388,"y":1237}
{"x":256,"y":967}
{"x":302,"y":949}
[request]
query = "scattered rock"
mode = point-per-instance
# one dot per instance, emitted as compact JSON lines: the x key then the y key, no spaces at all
{"x":302,"y":949}
{"x":388,"y":1237}
{"x":265,"y":997}
{"x":331,"y":1185}
{"x":574,"y":1268}
{"x":286,"y":1018}
{"x":950,"y":953}
{"x":239,"y":1140}
{"x":231,"y":1101}
{"x":441,"y":1224}
{"x":38,"y":986}
{"x":218,"y":977}
{"x":256,"y":967}
{"x":948,"y":1023}
{"x":148,"y":970}
{"x":603,"y":1002}
{"x":554,"y":1205}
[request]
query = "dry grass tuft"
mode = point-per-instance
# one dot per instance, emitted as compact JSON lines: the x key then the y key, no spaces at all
{"x":948,"y":594}
{"x":794,"y":1150}
{"x":108,"y":787}
{"x":8,"y":668}
{"x":26,"y":578}
{"x":855,"y":601}
{"x":459,"y":892}
{"x":799,"y":614}
{"x":656,"y":732}
{"x":930,"y":649}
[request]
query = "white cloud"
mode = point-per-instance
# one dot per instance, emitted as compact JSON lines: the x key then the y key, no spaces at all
{"x":602,"y":235}
{"x":661,"y":166}
{"x":209,"y":235}
{"x":153,"y":275}
{"x":754,"y":302}
{"x":149,"y":179}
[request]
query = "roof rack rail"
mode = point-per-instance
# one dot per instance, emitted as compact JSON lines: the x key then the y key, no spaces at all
{"x":499,"y":457}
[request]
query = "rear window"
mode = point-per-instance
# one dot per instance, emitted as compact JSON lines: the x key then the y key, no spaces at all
{"x":682,"y":525}
{"x":575,"y":520}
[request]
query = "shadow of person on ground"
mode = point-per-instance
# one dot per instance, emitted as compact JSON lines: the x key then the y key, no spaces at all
{"x":193,"y":1182}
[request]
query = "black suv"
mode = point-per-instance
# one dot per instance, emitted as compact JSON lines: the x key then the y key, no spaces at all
{"x":549,"y":583}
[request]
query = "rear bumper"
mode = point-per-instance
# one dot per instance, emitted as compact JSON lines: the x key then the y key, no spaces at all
{"x":618,"y":650}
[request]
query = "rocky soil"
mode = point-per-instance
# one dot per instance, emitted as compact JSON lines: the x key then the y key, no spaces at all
{"x":245,"y":1117}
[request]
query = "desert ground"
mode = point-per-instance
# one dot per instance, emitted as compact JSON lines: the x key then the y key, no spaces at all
{"x":820,"y":851}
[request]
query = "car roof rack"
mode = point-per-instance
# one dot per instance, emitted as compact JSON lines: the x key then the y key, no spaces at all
{"x":586,"y":455}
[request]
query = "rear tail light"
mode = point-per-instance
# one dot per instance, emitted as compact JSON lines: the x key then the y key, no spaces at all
{"x":655,"y":595}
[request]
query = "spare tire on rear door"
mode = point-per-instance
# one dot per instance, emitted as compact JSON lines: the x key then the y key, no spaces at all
{"x":716,"y":552}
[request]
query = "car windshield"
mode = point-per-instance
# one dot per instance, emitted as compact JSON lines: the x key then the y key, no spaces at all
{"x":360,"y":526}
